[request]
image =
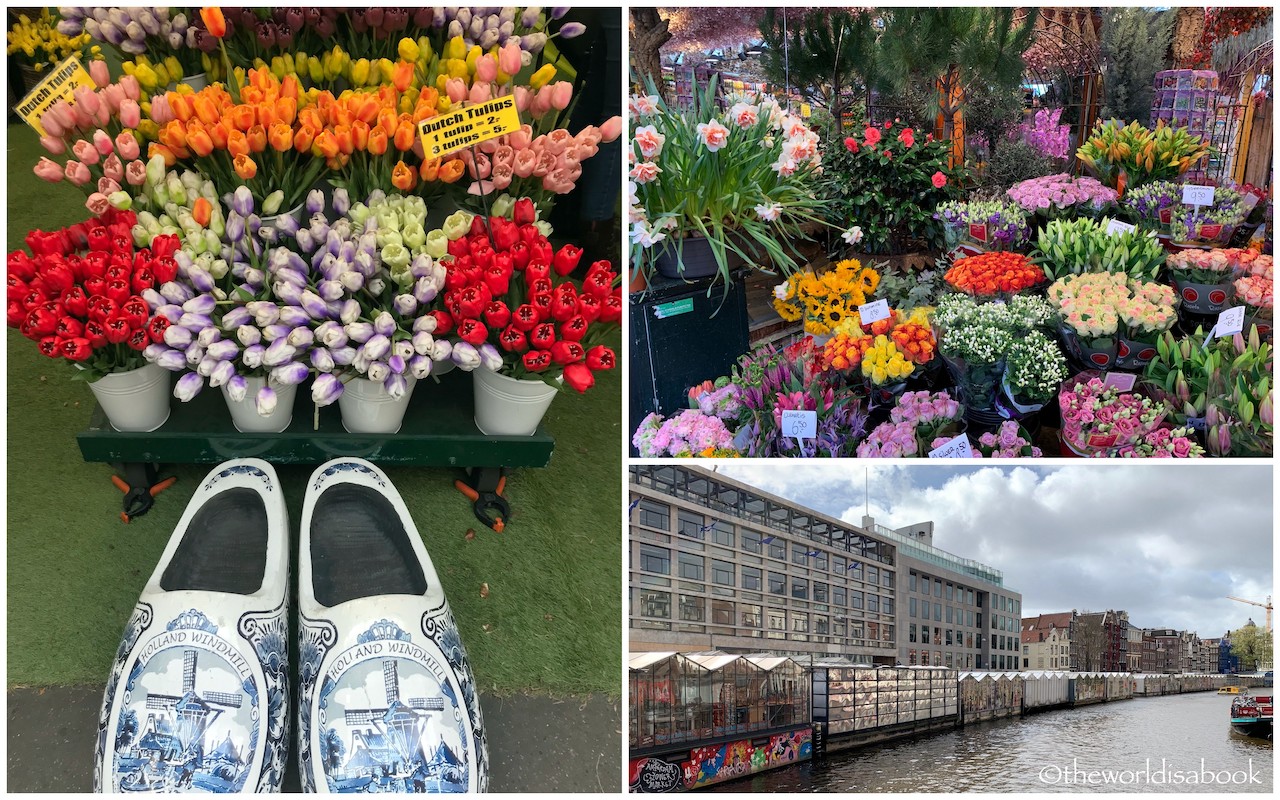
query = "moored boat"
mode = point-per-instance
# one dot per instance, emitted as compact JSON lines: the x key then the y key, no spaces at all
{"x":1229,"y":690}
{"x":1251,"y":716}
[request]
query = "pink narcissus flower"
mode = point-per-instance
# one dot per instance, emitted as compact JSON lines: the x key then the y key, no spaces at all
{"x":47,"y":170}
{"x":611,"y":129}
{"x":744,"y":115}
{"x":135,"y":173}
{"x":714,"y":135}
{"x":649,"y":141}
{"x":644,"y":172}
{"x":54,"y":145}
{"x":100,"y":74}
{"x":127,"y":146}
{"x":85,"y":152}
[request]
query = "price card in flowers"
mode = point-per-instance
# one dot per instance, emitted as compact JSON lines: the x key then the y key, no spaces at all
{"x":1194,"y":195}
{"x":799,"y":424}
{"x":57,"y":85}
{"x":958,"y":447}
{"x":468,"y":126}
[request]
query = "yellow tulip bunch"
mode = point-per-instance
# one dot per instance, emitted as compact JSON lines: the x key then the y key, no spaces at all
{"x":154,"y":75}
{"x":38,"y":42}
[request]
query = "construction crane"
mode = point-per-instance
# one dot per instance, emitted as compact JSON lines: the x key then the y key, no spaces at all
{"x":1266,"y":605}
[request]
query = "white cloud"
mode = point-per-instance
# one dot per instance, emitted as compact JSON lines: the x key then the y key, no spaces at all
{"x":1165,"y":543}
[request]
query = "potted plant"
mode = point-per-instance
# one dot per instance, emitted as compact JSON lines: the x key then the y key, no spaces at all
{"x":1164,"y":442}
{"x":984,"y":224}
{"x":1149,"y":310}
{"x":1208,"y":225}
{"x":39,"y":44}
{"x":714,"y":190}
{"x":886,"y":182}
{"x":1203,"y":279}
{"x":884,"y":353}
{"x":688,"y":433}
{"x":995,"y":273}
{"x":78,"y":295}
{"x":824,"y":301}
{"x":1123,"y":156}
{"x":1034,"y":369}
{"x":1152,"y":205}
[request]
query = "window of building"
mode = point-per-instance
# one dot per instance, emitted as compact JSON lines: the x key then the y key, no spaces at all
{"x":911,"y":658}
{"x":820,"y":592}
{"x":873,"y":603}
{"x":855,"y":630}
{"x":838,"y":627}
{"x":820,"y":560}
{"x":722,"y":533}
{"x":691,"y":567}
{"x":979,"y":619}
{"x":655,"y":559}
{"x":969,"y":594}
{"x":751,"y":541}
{"x":840,"y":596}
{"x":751,"y":578}
{"x":886,"y":605}
{"x":721,"y":572}
{"x":692,"y":608}
{"x":777,"y":583}
{"x":911,"y":606}
{"x":873,"y":631}
{"x":911,"y":581}
{"x":799,"y":623}
{"x":911,"y":632}
{"x":821,"y":625}
{"x":924,"y":658}
{"x":777,"y":625}
{"x":979,"y":602}
{"x":798,"y":555}
{"x":948,"y":638}
{"x":950,"y":660}
{"x":691,"y":524}
{"x":872,"y":576}
{"x":937,"y":612}
{"x":968,"y":618}
{"x":750,"y":615}
{"x":655,"y":515}
{"x":950,"y":589}
{"x":855,"y":599}
{"x":778,"y":549}
{"x":721,"y":612}
{"x":937,"y":588}
{"x":886,"y":579}
{"x":655,"y":604}
{"x":969,"y":640}
{"x":949,"y":612}
{"x":839,"y":565}
{"x":924,"y":634}
{"x":799,"y":588}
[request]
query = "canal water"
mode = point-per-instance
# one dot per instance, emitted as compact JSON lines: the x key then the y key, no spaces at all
{"x":1178,"y":743}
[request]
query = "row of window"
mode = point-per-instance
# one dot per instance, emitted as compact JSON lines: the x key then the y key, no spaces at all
{"x":959,"y":660}
{"x":694,"y":526}
{"x":657,"y":560}
{"x":958,"y":616}
{"x":759,"y":621}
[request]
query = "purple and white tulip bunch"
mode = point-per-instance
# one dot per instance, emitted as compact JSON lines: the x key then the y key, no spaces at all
{"x":133,"y":30}
{"x":371,"y":296}
{"x":490,"y":26}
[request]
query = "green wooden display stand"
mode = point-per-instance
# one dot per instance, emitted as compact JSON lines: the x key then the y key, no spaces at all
{"x":439,"y":431}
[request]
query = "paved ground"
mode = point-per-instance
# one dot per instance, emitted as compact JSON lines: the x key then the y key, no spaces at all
{"x":535,"y":743}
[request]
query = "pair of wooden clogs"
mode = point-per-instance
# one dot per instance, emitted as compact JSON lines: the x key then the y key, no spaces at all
{"x":200,"y":694}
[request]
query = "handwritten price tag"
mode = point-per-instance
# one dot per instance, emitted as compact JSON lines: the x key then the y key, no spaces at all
{"x":800,"y":424}
{"x":873,"y":312}
{"x":1123,"y":381}
{"x":956,"y":448}
{"x":1115,"y":226}
{"x":1230,"y":322}
{"x":1193,"y":195}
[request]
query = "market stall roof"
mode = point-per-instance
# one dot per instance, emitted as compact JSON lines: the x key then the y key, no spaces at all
{"x":768,"y":663}
{"x":712,"y":661}
{"x":643,"y":660}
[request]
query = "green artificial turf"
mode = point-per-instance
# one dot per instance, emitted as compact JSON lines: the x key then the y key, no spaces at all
{"x":552,"y":619}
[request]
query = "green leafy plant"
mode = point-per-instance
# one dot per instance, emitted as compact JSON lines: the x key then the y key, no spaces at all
{"x":912,"y":289}
{"x":743,"y":179}
{"x":1014,"y":162}
{"x":882,"y":179}
{"x":1230,"y":377}
{"x":1073,"y":247}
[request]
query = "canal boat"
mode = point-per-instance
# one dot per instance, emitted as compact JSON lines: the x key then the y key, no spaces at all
{"x":1229,"y":690}
{"x":1251,"y":716}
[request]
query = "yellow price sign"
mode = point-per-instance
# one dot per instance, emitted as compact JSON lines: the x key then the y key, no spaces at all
{"x":468,"y":126}
{"x":57,"y":85}
{"x":805,"y":110}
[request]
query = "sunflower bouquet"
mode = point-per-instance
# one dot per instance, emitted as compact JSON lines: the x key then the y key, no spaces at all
{"x":827,"y":300}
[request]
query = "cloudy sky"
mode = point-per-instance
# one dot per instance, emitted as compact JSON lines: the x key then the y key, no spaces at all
{"x":1165,"y":543}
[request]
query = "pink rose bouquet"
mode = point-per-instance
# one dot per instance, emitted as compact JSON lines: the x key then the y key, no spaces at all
{"x":890,"y":440}
{"x":686,"y":434}
{"x":1100,"y":417}
{"x":1056,"y":195}
{"x":1164,"y":442}
{"x":1010,"y":441}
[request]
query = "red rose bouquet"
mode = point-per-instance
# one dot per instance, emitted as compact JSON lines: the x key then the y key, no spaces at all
{"x":509,"y":289}
{"x":79,"y":294}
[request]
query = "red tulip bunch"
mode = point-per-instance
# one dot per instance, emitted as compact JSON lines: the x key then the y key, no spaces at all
{"x":79,"y":293}
{"x":508,"y":288}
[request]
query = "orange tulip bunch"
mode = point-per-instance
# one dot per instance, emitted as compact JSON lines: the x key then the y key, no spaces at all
{"x":372,"y":139}
{"x":266,"y":141}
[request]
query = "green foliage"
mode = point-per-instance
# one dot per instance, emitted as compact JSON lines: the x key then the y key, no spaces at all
{"x":826,"y":52}
{"x":1134,"y":43}
{"x":913,"y":289}
{"x":1013,"y":162}
{"x":1072,"y":247}
{"x":990,"y":113}
{"x":1253,"y":646}
{"x":891,"y":198}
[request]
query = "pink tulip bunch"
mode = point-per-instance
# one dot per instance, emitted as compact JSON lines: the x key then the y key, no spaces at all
{"x":110,"y":103}
{"x":550,"y":163}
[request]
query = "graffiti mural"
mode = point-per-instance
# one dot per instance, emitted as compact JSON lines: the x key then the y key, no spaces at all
{"x":722,"y":762}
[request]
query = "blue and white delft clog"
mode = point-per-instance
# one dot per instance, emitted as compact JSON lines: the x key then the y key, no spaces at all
{"x":387,"y":701}
{"x":198,"y":697}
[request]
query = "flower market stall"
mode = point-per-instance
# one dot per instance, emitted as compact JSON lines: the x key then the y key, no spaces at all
{"x":316,"y":232}
{"x":1106,"y":298}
